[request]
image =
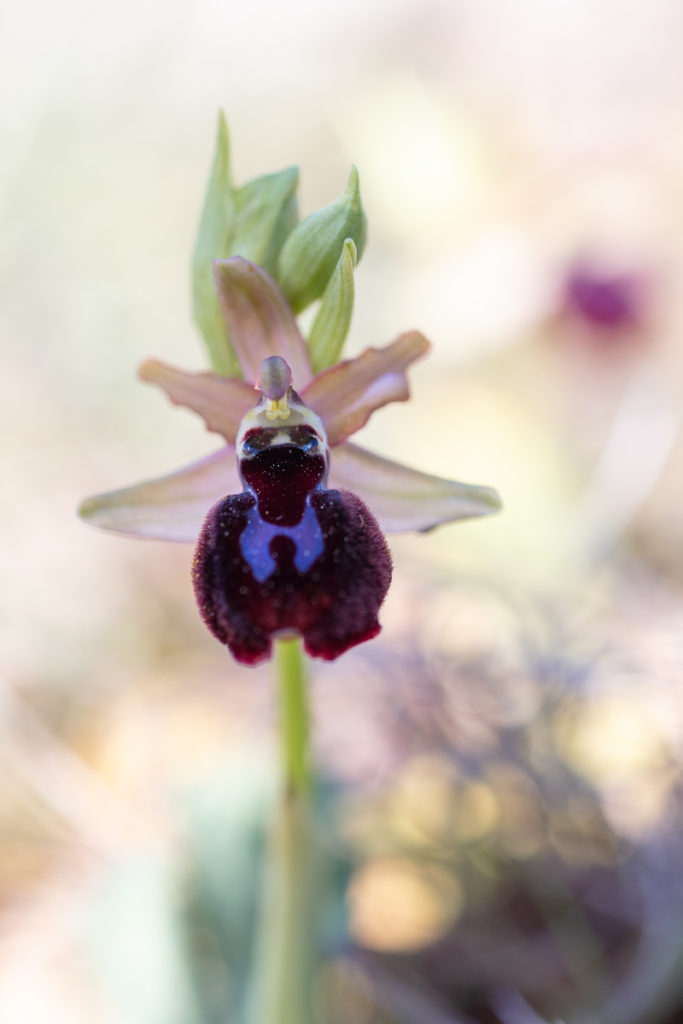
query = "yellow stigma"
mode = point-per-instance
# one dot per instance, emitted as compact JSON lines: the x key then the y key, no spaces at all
{"x":277,"y":408}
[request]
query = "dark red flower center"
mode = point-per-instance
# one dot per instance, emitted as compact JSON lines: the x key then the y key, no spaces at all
{"x":282,"y":475}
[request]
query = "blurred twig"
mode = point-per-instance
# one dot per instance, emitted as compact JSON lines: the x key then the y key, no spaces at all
{"x":641,"y":438}
{"x":68,"y":786}
{"x":512,"y":1008}
{"x":404,"y":1001}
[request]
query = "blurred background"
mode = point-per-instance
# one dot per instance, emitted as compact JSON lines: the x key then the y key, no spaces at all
{"x":502,"y":766}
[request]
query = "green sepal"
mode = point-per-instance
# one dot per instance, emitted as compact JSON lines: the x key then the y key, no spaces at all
{"x":333,"y":319}
{"x":266,"y":211}
{"x":214,"y":237}
{"x":312,"y":250}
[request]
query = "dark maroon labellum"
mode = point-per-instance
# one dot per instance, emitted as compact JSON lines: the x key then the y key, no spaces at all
{"x":290,"y":555}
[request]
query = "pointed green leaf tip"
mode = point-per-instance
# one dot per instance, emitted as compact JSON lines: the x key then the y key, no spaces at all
{"x":311,"y":252}
{"x":213,"y":242}
{"x":333,"y":319}
{"x":252,"y":221}
{"x":266,"y":213}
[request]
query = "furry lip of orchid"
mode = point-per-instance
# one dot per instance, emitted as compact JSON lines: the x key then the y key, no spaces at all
{"x":292,"y":542}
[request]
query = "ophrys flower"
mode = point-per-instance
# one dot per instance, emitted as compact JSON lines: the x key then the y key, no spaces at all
{"x":289,"y":514}
{"x":298,"y":546}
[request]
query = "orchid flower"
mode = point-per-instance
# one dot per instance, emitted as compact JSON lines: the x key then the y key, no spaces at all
{"x":288,"y":516}
{"x":298,"y":543}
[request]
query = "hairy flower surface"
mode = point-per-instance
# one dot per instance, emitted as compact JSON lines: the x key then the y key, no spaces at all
{"x":292,"y":541}
{"x":288,"y":553}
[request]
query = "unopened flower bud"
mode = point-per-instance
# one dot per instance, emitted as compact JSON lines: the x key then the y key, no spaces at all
{"x":213,"y":242}
{"x":311,"y":252}
{"x":266,"y":211}
{"x":333,"y":319}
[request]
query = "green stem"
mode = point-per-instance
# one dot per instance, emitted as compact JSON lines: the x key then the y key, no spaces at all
{"x":281,"y":981}
{"x":294,"y":724}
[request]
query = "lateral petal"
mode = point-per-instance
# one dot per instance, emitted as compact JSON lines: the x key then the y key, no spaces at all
{"x":259,"y":319}
{"x":346,"y":395}
{"x":171,"y":507}
{"x":220,"y":401}
{"x":405,"y":499}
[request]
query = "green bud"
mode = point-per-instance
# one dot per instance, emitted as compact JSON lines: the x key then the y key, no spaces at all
{"x":267,"y":211}
{"x":213,"y":242}
{"x":333,"y":319}
{"x":311,"y":252}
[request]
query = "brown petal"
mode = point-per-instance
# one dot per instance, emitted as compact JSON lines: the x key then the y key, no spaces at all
{"x":259,"y":319}
{"x":220,"y":401}
{"x":170,"y":507}
{"x":346,"y":395}
{"x":405,"y":499}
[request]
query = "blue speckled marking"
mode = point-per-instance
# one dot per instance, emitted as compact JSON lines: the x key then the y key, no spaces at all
{"x":258,"y":534}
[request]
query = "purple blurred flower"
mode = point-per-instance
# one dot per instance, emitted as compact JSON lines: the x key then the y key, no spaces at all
{"x":605,"y":300}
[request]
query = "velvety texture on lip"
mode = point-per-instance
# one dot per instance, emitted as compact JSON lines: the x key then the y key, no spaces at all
{"x":320,"y":566}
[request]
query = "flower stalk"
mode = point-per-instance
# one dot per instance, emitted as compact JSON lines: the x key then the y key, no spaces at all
{"x":282,"y":979}
{"x":294,"y":718}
